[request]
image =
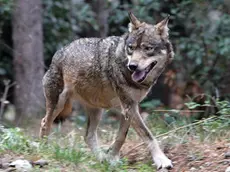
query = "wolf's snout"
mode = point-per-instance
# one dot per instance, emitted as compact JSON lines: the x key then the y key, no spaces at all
{"x":132,"y":67}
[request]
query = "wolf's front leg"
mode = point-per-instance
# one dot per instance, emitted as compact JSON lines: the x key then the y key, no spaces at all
{"x":142,"y":130}
{"x":125,"y":121}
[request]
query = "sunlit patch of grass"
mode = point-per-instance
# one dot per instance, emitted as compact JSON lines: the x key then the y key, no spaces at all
{"x":67,"y":150}
{"x":15,"y":140}
{"x":69,"y":154}
{"x":144,"y":167}
{"x":123,"y":166}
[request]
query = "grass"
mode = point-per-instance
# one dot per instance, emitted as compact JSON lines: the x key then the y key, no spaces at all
{"x":179,"y":128}
{"x":70,"y":153}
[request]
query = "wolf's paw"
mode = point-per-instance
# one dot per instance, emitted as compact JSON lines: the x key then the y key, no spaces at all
{"x":112,"y":159}
{"x":161,"y":161}
{"x":103,"y":155}
{"x":100,"y":155}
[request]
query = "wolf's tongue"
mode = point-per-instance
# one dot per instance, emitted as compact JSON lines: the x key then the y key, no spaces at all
{"x":138,"y":75}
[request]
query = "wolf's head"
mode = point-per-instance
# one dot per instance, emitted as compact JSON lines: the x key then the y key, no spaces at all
{"x":148,"y":49}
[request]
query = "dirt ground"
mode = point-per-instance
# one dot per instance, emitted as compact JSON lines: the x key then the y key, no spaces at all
{"x":188,"y":157}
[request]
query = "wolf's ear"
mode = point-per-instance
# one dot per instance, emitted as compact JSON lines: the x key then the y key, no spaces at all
{"x":162,"y":27}
{"x":134,"y":22}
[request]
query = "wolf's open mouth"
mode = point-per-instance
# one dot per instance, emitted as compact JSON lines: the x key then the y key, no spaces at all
{"x":140,"y":75}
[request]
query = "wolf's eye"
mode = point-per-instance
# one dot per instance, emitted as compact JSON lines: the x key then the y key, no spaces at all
{"x":131,"y":47}
{"x":148,"y":48}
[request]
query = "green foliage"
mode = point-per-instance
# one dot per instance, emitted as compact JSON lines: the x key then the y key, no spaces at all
{"x":5,"y":12}
{"x":203,"y":49}
{"x":224,"y":107}
{"x":15,"y":140}
{"x":150,"y":105}
{"x":192,"y":105}
{"x":6,"y":7}
{"x":124,"y":167}
{"x":69,"y":154}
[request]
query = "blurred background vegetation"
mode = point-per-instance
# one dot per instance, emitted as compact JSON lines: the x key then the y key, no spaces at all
{"x":199,"y":30}
{"x":190,"y":102}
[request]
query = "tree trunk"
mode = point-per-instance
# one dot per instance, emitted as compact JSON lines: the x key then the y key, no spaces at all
{"x":102,"y":13}
{"x":28,"y":57}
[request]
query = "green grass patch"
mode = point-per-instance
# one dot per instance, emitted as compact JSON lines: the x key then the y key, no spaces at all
{"x":65,"y":152}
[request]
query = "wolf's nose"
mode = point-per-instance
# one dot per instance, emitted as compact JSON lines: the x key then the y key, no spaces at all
{"x":132,"y":66}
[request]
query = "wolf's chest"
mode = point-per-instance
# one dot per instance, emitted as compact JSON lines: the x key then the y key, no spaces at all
{"x":137,"y":94}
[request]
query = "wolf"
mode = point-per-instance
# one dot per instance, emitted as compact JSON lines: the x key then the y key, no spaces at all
{"x":112,"y":72}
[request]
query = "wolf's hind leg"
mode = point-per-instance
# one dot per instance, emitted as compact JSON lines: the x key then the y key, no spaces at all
{"x":46,"y":121}
{"x":53,"y":110}
{"x":51,"y":87}
{"x":142,"y":130}
{"x":94,"y":117}
{"x":56,"y":98}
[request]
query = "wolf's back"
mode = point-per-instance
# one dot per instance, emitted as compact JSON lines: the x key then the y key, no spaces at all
{"x":85,"y":51}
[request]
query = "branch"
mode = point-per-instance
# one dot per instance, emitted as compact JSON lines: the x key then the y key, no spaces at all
{"x":3,"y":100}
{"x":185,"y":126}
